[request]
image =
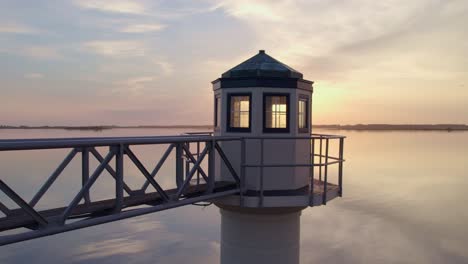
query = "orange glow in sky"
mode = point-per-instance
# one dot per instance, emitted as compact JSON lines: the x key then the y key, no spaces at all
{"x":124,"y":62}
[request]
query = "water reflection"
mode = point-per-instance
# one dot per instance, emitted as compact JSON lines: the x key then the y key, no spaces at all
{"x":404,"y":202}
{"x":110,"y":247}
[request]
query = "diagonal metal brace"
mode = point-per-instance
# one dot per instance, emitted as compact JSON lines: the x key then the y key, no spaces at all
{"x":145,"y":173}
{"x":4,"y":209}
{"x":158,"y":166}
{"x":23,"y":204}
{"x":193,"y":160}
{"x":52,"y":178}
{"x":227,"y":163}
{"x":192,"y":172}
{"x":109,"y":169}
{"x":87,"y":186}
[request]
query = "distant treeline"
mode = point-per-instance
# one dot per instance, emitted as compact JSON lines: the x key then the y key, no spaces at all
{"x":99,"y":128}
{"x":362,"y":127}
{"x":399,"y":127}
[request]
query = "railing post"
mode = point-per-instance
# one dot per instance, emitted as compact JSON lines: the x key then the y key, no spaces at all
{"x":320,"y":160}
{"x":242,"y":176}
{"x":198,"y":156}
{"x":85,"y":172}
{"x":311,"y":198}
{"x":261,"y":174}
{"x":211,"y":166}
{"x":179,"y":165}
{"x":340,"y":168}
{"x":187,"y":161}
{"x":119,"y":174}
{"x":326,"y":172}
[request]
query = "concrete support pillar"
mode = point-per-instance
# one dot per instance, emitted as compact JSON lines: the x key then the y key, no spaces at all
{"x":250,"y":237}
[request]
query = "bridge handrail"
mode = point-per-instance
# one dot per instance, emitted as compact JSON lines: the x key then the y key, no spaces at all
{"x":53,"y":143}
{"x":92,"y":212}
{"x":323,"y":166}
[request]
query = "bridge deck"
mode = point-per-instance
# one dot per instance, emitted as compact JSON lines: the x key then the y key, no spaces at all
{"x":18,"y":218}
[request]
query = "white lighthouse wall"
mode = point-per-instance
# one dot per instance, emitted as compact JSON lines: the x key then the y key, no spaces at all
{"x":303,"y":146}
{"x":276,"y":151}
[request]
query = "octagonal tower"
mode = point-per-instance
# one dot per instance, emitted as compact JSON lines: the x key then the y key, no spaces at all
{"x":269,"y":104}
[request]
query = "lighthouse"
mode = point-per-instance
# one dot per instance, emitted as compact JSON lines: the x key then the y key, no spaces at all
{"x":263,"y":167}
{"x":269,"y":105}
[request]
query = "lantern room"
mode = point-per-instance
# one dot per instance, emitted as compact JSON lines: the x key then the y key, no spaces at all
{"x":262,"y":96}
{"x":268,"y":103}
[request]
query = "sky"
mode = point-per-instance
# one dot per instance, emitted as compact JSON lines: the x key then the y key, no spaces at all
{"x":99,"y":62}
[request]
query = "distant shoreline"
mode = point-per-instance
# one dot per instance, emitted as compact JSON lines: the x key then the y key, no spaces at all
{"x":396,"y":127}
{"x":99,"y":128}
{"x":358,"y":127}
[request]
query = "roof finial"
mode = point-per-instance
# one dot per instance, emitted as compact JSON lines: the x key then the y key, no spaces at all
{"x":261,"y":51}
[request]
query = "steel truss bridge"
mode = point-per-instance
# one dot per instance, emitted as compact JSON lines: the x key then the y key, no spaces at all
{"x":194,"y":177}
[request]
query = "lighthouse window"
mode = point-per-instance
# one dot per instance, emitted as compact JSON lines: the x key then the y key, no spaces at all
{"x":239,"y":113}
{"x":303,"y":114}
{"x":276,"y":113}
{"x":217,"y":112}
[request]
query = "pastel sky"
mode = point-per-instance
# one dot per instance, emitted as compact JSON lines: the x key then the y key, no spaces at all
{"x":85,"y":62}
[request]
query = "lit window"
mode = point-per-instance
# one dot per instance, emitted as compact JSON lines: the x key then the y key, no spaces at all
{"x":239,"y":113}
{"x":217,"y":111}
{"x":276,"y":113}
{"x":303,"y":115}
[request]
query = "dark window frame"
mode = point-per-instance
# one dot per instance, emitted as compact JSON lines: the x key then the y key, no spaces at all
{"x":288,"y":114}
{"x":217,"y":106}
{"x":228,"y":123}
{"x":307,"y":114}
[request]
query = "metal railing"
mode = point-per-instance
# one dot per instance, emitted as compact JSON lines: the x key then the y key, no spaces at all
{"x":193,"y":183}
{"x":323,"y":163}
{"x":93,"y":212}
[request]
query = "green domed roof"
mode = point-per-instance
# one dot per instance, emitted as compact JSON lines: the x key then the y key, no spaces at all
{"x":262,"y":65}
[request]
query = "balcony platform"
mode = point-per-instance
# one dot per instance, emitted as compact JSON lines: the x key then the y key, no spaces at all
{"x":333,"y":191}
{"x":285,"y":198}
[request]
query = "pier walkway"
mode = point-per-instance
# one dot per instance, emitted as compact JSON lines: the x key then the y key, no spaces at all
{"x":194,"y":177}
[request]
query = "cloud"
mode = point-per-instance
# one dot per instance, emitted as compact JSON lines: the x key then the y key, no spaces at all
{"x":385,"y":50}
{"x":14,"y":28}
{"x":303,"y":28}
{"x":35,"y":52}
{"x":260,"y":10}
{"x":34,"y":76}
{"x":134,"y":86}
{"x":337,"y":41}
{"x":137,"y":81}
{"x":142,"y":28}
{"x":133,"y":82}
{"x":166,"y":67}
{"x":116,"y":48}
{"x":42,"y":52}
{"x":149,"y":66}
{"x":119,"y":6}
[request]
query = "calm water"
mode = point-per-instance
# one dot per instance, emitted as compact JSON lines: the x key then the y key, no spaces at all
{"x":405,"y":201}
